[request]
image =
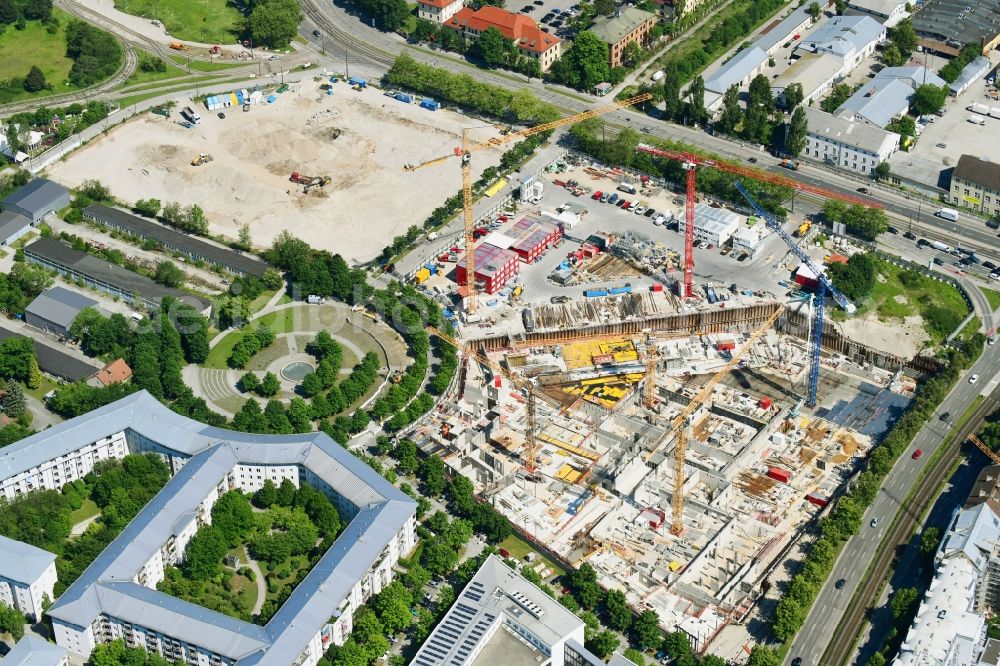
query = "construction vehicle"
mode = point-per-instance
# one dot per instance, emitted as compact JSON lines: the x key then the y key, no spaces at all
{"x":693,"y":160}
{"x":804,"y":229}
{"x":161,"y":111}
{"x":789,"y":164}
{"x":215,"y":50}
{"x":678,"y":427}
{"x":318,"y":181}
{"x":464,"y":154}
{"x":178,"y":46}
{"x":201,"y":159}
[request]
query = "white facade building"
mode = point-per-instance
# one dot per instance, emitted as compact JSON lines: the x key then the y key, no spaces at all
{"x":846,"y":144}
{"x":502,"y":618}
{"x":27,"y":576}
{"x":712,"y":225}
{"x":116,"y":596}
{"x":850,"y":39}
{"x":887,"y":12}
{"x":439,"y":11}
{"x":33,"y":651}
{"x":746,"y":239}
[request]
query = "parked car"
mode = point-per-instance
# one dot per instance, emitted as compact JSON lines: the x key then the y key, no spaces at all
{"x":945,"y":416}
{"x":892,"y":230}
{"x":752,"y":160}
{"x":874,"y":522}
{"x":841,"y":583}
{"x":917,"y":453}
{"x":559,"y":299}
{"x":613,"y":198}
{"x":639,"y":210}
{"x":909,"y":235}
{"x":863,"y":190}
{"x":221,"y":115}
{"x":650,"y":212}
{"x":989,"y":265}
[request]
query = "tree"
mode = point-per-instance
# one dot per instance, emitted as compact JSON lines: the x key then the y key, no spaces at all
{"x":635,"y":656}
{"x":904,"y":126}
{"x":797,"y":136}
{"x":204,"y":553}
{"x":760,"y":105}
{"x":814,"y":10}
{"x":244,"y":240}
{"x":431,"y":473}
{"x":286,"y":493}
{"x":891,"y":57}
{"x":194,"y":220}
{"x":13,"y":403}
{"x":761,"y":655}
{"x":233,"y":516}
{"x":793,"y":96}
{"x":168,"y":274}
{"x":392,"y":607}
{"x":38,"y":10}
{"x":840,"y":6}
{"x":903,"y":601}
{"x":492,"y":47}
{"x":929,"y":540}
{"x":672,"y":104}
{"x":8,"y":11}
{"x":632,"y":54}
{"x":266,"y":496}
{"x":904,"y":37}
{"x":604,"y":7}
{"x":12,"y":622}
{"x":248,"y":383}
{"x":587,"y":61}
{"x":929,"y":98}
{"x":677,"y":644}
{"x":840,"y":93}
{"x":34,"y":379}
{"x":147,"y":207}
{"x":856,"y":278}
{"x":269,"y":385}
{"x":647,"y":629}
{"x":732,"y":114}
{"x":882,"y":170}
{"x":603,"y":643}
{"x":274,"y":23}
{"x":696,"y":100}
{"x":617,"y":614}
{"x":35,"y":80}
{"x":250,"y":418}
{"x":438,"y":557}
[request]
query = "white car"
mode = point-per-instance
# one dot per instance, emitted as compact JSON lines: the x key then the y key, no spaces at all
{"x":639,"y":210}
{"x":992,"y":340}
{"x":973,"y":379}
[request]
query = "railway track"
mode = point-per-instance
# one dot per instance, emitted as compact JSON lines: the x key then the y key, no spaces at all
{"x":312,"y":10}
{"x":842,"y":643}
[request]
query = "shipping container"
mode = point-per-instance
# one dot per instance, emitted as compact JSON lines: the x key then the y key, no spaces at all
{"x":725,"y":345}
{"x":627,"y":289}
{"x":779,"y":474}
{"x":430,"y":104}
{"x":657,"y":287}
{"x":357,"y":81}
{"x":592,"y":293}
{"x":817,"y":499}
{"x":403,"y":97}
{"x":764,"y":403}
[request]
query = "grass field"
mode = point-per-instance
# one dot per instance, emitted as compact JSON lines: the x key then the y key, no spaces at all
{"x":205,"y":21}
{"x":993,"y":297}
{"x":518,"y":548}
{"x":147,"y":77}
{"x":900,"y":293}
{"x":20,"y":49}
{"x":205,"y":66}
{"x":87,"y":510}
{"x":282,"y":321}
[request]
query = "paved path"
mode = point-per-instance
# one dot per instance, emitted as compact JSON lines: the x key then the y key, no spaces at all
{"x":82,"y":526}
{"x":261,"y":586}
{"x":41,"y":417}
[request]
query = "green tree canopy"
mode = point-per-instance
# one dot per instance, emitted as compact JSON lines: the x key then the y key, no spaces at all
{"x":929,"y":98}
{"x":274,"y":23}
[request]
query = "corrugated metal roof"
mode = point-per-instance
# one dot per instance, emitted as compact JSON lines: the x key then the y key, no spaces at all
{"x":11,"y":223}
{"x":888,"y":94}
{"x":23,"y":562}
{"x":37,"y":196}
{"x":736,"y":69}
{"x":59,"y":305}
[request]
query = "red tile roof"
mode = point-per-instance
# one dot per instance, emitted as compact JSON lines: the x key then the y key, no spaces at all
{"x":518,"y":27}
{"x":114,"y":373}
{"x":440,"y":4}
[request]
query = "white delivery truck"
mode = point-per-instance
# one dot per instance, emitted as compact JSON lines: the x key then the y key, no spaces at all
{"x":976,"y":107}
{"x":948,"y":214}
{"x":938,"y":245}
{"x":627,"y":187}
{"x":976,"y":120}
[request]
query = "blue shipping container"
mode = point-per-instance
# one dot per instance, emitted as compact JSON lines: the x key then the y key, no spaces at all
{"x":357,"y":81}
{"x":590,"y":293}
{"x":621,"y":290}
{"x":430,"y":104}
{"x":403,"y":97}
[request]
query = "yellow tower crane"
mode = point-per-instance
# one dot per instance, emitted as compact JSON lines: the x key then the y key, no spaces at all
{"x":679,"y":426}
{"x":464,"y":152}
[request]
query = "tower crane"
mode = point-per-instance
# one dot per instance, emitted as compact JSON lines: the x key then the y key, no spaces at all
{"x":678,"y":427}
{"x":691,"y":161}
{"x":464,"y":152}
{"x":990,"y":453}
{"x":522,"y":384}
{"x":824,"y":285}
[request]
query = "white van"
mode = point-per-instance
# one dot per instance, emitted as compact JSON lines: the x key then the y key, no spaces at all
{"x":948,"y":214}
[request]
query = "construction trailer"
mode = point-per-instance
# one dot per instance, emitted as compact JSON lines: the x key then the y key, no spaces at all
{"x":495,"y":266}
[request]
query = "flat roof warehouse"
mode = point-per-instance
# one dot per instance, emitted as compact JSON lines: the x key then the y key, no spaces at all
{"x":175,"y":240}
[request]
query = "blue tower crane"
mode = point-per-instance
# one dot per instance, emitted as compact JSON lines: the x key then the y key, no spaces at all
{"x":825,"y":286}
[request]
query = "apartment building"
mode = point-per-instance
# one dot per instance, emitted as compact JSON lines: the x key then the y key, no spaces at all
{"x":438,"y":11}
{"x":27,"y":577}
{"x":846,"y":144}
{"x":530,"y":40}
{"x":975,"y":184}
{"x":629,"y":24}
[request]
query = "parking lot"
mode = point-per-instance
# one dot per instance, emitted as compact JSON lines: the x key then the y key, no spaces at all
{"x":551,"y":15}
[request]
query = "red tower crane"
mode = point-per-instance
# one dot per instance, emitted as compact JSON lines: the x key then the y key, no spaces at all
{"x":692,"y":161}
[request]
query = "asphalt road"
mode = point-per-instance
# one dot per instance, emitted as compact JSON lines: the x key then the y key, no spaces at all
{"x":830,"y":604}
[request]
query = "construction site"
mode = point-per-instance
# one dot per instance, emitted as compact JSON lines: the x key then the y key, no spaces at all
{"x":679,"y":461}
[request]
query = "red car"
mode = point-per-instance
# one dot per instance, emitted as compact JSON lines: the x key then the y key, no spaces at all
{"x":597,"y":195}
{"x":917,"y":454}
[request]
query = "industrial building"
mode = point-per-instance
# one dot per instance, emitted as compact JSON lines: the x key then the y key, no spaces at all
{"x":887,"y":12}
{"x":54,"y":310}
{"x":116,"y":596}
{"x":815,"y":72}
{"x":784,"y":30}
{"x":500,"y":617}
{"x":13,"y":226}
{"x":850,"y":39}
{"x":56,"y":362}
{"x":531,"y":238}
{"x":27,"y":577}
{"x":975,"y":184}
{"x":945,"y":26}
{"x":711,"y":225}
{"x":738,"y":71}
{"x":495,"y":266}
{"x":847,"y":144}
{"x":175,"y":241}
{"x":887,"y":96}
{"x":33,"y":651}
{"x":972,"y":72}
{"x":103,"y":276}
{"x":36,"y":200}
{"x":629,"y":24}
{"x":530,"y":40}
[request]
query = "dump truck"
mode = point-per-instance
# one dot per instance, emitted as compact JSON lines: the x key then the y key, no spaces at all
{"x":202,"y":158}
{"x":191,"y":114}
{"x":178,"y":46}
{"x":804,"y":229}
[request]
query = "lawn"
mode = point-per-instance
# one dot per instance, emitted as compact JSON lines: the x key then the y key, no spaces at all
{"x":44,"y":387}
{"x":286,"y":581}
{"x":518,"y":548}
{"x":205,"y":21}
{"x":147,"y":77}
{"x":20,"y":49}
{"x":993,"y":297}
{"x":900,"y":293}
{"x":87,"y":510}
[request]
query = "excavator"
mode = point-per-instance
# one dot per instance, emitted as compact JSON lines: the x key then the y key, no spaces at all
{"x":201,"y":159}
{"x":309,"y":181}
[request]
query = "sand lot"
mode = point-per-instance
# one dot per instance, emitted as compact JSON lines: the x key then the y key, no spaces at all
{"x":369,"y":201}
